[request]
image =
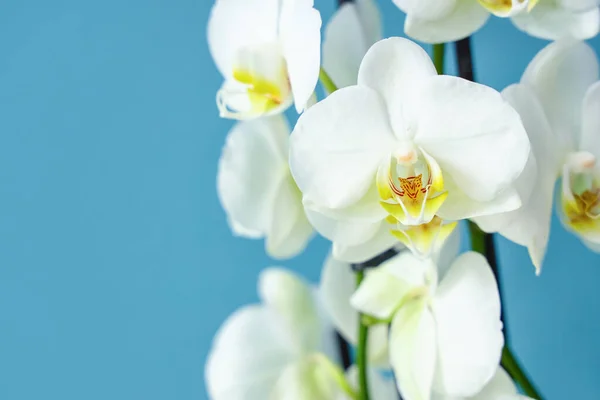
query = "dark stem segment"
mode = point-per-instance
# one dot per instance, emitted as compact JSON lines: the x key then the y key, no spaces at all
{"x":375,"y":261}
{"x":340,"y":2}
{"x":344,"y":349}
{"x":464,"y":59}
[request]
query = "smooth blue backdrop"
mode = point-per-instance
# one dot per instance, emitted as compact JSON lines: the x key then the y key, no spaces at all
{"x":116,"y":263}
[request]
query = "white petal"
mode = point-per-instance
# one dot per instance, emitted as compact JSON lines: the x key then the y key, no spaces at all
{"x":300,"y":33}
{"x":410,"y":269}
{"x":338,"y":283}
{"x":466,"y":18}
{"x":476,"y":137}
{"x":500,"y":386}
{"x":344,"y":46}
{"x":448,"y":253}
{"x":381,"y":241}
{"x":349,"y":233}
{"x":593,"y":246}
{"x":386,"y":287}
{"x":579,"y":5}
{"x":459,"y":206}
{"x":590,"y":130}
{"x":412,"y":350}
{"x":469,"y":331}
{"x":337,"y":146}
{"x":396,"y":68}
{"x":290,"y":230}
{"x":306,"y":380}
{"x":247,"y":356}
{"x":366,"y":209}
{"x":560,"y":74}
{"x":370,"y":18}
{"x":549,"y":21}
{"x":426,"y":9}
{"x":234,"y":24}
{"x":379,"y":294}
{"x":291,"y":298}
{"x":530,"y":225}
{"x":251,"y":169}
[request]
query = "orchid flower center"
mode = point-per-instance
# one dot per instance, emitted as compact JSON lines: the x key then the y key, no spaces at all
{"x":411,"y":186}
{"x":411,"y":190}
{"x":505,"y":8}
{"x":580,"y":195}
{"x":260,"y":83}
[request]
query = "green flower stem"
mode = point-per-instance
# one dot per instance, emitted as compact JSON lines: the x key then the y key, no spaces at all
{"x":438,"y":57}
{"x":361,"y":350}
{"x":511,"y":365}
{"x":327,"y":82}
{"x":477,"y":238}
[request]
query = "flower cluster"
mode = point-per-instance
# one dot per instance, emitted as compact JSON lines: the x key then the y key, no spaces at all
{"x":392,"y":159}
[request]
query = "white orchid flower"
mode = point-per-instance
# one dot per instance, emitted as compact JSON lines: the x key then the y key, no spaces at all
{"x":257,"y":190}
{"x":268,"y":51}
{"x":444,"y":339}
{"x":558,"y":99}
{"x":282,"y":348}
{"x":501,"y":387}
{"x":402,"y":151}
{"x":556,"y":19}
{"x":438,"y":21}
{"x":338,"y":283}
{"x":351,"y":31}
{"x":263,"y":350}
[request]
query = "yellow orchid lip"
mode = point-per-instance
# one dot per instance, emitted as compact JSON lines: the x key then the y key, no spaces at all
{"x":263,"y":94}
{"x":423,"y":240}
{"x":260,"y":84}
{"x":580,"y":194}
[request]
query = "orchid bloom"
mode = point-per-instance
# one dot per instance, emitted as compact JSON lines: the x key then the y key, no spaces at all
{"x":558,"y":99}
{"x":268,"y":51}
{"x":282,"y":348}
{"x":556,"y":19}
{"x":401,"y":152}
{"x":438,"y":21}
{"x":338,"y":283}
{"x":351,"y":31}
{"x":256,"y":188}
{"x":445,"y":338}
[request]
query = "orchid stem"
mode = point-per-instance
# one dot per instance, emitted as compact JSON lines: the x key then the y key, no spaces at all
{"x":439,"y":51}
{"x":511,"y":365}
{"x":361,"y":350}
{"x":327,"y":82}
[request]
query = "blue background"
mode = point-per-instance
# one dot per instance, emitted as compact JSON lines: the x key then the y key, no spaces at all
{"x":116,"y":263}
